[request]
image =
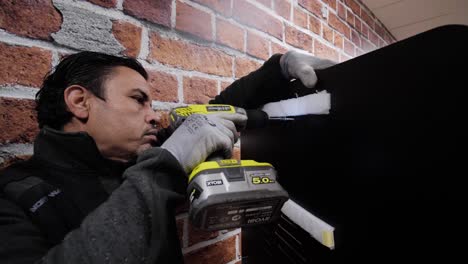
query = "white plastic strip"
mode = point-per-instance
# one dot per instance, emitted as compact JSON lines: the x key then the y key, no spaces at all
{"x":313,"y":225}
{"x":318,"y":103}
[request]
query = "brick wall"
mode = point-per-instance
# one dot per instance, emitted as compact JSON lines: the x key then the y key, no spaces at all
{"x":192,"y":50}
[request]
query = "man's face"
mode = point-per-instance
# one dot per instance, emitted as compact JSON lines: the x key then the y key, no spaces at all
{"x":122,"y":124}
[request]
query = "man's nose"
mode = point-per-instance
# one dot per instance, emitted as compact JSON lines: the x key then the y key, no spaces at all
{"x":153,"y":117}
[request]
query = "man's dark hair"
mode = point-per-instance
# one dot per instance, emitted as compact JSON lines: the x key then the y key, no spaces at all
{"x":87,"y":69}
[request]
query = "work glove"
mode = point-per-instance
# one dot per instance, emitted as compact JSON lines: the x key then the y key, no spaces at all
{"x":302,"y":66}
{"x":201,"y":135}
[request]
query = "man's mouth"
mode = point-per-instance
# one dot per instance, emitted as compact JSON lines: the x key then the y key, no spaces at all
{"x":152,"y":135}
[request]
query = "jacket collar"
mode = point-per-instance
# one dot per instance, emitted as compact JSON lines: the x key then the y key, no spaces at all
{"x":74,"y":151}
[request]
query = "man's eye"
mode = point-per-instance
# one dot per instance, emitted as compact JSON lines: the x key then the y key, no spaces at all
{"x":139,"y":99}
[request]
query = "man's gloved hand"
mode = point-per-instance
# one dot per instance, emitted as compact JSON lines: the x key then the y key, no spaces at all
{"x":302,"y":66}
{"x":201,"y":135}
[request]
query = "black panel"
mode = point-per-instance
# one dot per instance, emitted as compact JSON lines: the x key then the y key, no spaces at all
{"x":386,"y":167}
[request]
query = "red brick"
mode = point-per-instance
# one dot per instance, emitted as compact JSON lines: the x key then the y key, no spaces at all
{"x":359,"y":52}
{"x":336,"y":23}
{"x":163,"y":86}
{"x":34,"y":19}
{"x":266,"y":3}
{"x":283,"y":8}
{"x":300,"y":18}
{"x":193,"y":21}
{"x":240,"y":243}
{"x":17,"y":120}
{"x":381,"y":43}
{"x":199,"y":90}
{"x":220,"y":6}
{"x":225,"y":85}
{"x":162,"y":120}
{"x":354,"y":6}
{"x":190,"y":56}
{"x":379,"y":30}
{"x":257,"y":46}
{"x":367,"y":46}
{"x":355,"y":38}
{"x":344,"y":58}
{"x":358,"y":24}
{"x":331,"y":3}
{"x":338,"y":40}
{"x":129,"y":36}
{"x":368,"y":19}
{"x":388,"y":38}
{"x":277,"y":48}
{"x":245,"y":66}
{"x":221,"y":252}
{"x":180,"y":230}
{"x":23,"y":65}
{"x":327,"y":33}
{"x":298,"y":38}
{"x":251,"y":15}
{"x":314,"y":25}
{"x":196,"y":235}
{"x":373,"y":38}
{"x":158,"y":12}
{"x":350,"y":18}
{"x":323,"y":51}
{"x":313,"y":6}
{"x":236,"y":153}
{"x":229,"y":34}
{"x":341,"y":11}
{"x":104,"y":3}
{"x":348,"y":47}
{"x":365,"y":30}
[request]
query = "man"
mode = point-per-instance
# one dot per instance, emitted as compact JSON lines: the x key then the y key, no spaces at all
{"x":96,"y":189}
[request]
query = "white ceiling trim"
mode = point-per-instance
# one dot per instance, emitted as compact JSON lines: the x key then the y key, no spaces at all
{"x":405,"y":18}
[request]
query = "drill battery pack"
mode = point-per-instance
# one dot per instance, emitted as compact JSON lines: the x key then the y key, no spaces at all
{"x":231,"y":193}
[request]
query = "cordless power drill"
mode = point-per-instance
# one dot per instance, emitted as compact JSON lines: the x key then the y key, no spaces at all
{"x":230,"y":193}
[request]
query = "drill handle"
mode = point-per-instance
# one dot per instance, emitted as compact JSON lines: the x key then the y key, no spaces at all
{"x":216,"y":156}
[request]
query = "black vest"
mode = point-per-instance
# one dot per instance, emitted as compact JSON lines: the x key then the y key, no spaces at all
{"x":60,"y":184}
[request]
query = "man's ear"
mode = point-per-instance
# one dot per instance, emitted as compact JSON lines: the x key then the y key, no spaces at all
{"x":77,"y":99}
